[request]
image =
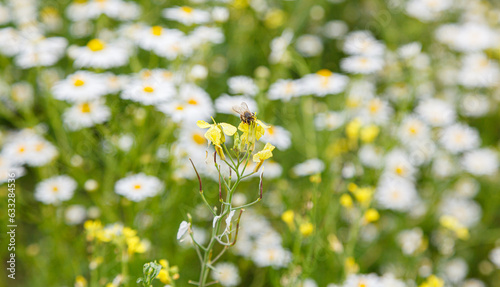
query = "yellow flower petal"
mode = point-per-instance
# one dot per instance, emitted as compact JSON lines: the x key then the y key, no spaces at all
{"x":228,"y":129}
{"x":202,"y":124}
{"x":262,"y":124}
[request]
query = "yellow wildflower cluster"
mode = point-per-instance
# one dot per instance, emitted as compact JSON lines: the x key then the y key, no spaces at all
{"x":306,"y":228}
{"x":167,"y":274}
{"x":432,"y":281}
{"x":117,"y":234}
{"x":451,"y":223}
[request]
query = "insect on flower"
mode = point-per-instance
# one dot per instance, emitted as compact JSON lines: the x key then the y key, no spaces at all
{"x":246,"y":115}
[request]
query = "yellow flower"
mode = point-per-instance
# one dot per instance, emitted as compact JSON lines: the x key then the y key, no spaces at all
{"x":288,"y":217}
{"x":306,"y":228}
{"x":433,"y":281}
{"x":164,"y":277}
{"x":80,"y":281}
{"x":251,"y":133}
{"x":346,"y":200}
{"x":262,"y":155}
{"x":454,"y":225}
{"x":371,"y":215}
{"x":215,"y":134}
{"x":369,"y":133}
{"x":351,"y":266}
{"x":92,"y":228}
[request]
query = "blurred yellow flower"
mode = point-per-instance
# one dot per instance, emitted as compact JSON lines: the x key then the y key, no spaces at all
{"x":369,"y":133}
{"x":433,"y":281}
{"x":306,"y":228}
{"x":371,"y":215}
{"x":346,"y":200}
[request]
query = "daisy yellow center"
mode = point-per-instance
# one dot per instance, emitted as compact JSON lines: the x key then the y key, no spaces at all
{"x":192,"y":102}
{"x":459,"y":138}
{"x":362,"y":284}
{"x":148,"y":89}
{"x":374,"y":107}
{"x":395,"y":195}
{"x":85,"y":108}
{"x":167,"y":74}
{"x":187,"y":9}
{"x":289,"y":88}
{"x":156,"y":30}
{"x":364,"y":61}
{"x":137,"y":186}
{"x":146,"y":74}
{"x":39,"y":147}
{"x":324,"y":73}
{"x":55,"y":189}
{"x":96,"y":45}
{"x":179,"y":108}
{"x":198,"y":139}
{"x":22,"y":149}
{"x":270,"y":130}
{"x":78,"y":82}
{"x":413,"y":130}
{"x":400,"y":170}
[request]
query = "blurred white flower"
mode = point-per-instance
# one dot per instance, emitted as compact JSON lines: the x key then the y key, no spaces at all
{"x":138,"y":187}
{"x":55,"y":190}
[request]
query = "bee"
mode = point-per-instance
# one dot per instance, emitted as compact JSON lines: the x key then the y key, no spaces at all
{"x":246,"y":115}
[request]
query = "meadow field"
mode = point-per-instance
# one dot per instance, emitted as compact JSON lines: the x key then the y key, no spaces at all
{"x":330,"y":143}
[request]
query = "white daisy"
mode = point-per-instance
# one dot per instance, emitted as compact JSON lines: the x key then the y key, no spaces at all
{"x":412,"y":130}
{"x":75,"y":214}
{"x":29,"y":148}
{"x":224,"y":104}
{"x":226,"y":274}
{"x":86,"y":114}
{"x":242,"y":85}
{"x":41,"y":52}
{"x":100,"y":54}
{"x":329,"y":121}
{"x":478,"y":71}
{"x":465,"y":210}
{"x":436,"y":112}
{"x":285,"y":89}
{"x":278,"y":136}
{"x":366,"y":280}
{"x":309,"y":167}
{"x":324,"y":82}
{"x":155,"y":37}
{"x":459,"y":137}
{"x":480,"y":162}
{"x":410,"y":240}
{"x":362,"y":64}
{"x":138,"y":187}
{"x":149,"y":91}
{"x":279,"y":46}
{"x":397,"y":163}
{"x":475,"y":105}
{"x":309,"y":45}
{"x":363,"y":43}
{"x":495,"y":257}
{"x":427,"y":10}
{"x":396,"y":193}
{"x":187,"y":15}
{"x":376,"y":110}
{"x":80,"y":86}
{"x":275,"y":256}
{"x":55,"y":190}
